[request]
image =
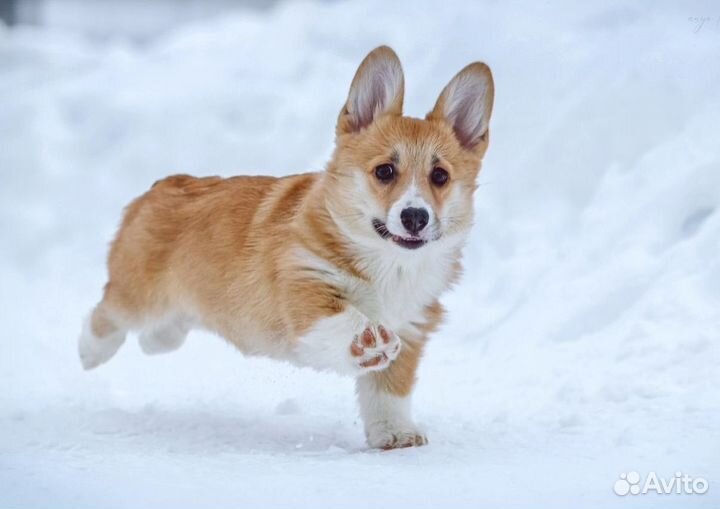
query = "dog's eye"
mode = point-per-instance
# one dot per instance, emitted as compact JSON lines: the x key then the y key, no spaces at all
{"x":439,"y":177}
{"x":385,"y":172}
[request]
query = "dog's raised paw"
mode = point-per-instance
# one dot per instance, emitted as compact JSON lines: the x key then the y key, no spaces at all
{"x":375,"y":348}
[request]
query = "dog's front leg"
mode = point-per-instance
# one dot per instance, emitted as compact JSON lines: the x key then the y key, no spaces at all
{"x":349,"y":343}
{"x":384,"y":399}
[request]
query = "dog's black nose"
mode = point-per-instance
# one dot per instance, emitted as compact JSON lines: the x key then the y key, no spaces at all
{"x":414,"y":219}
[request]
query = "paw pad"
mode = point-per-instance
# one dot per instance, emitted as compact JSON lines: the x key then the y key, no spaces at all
{"x":375,"y":348}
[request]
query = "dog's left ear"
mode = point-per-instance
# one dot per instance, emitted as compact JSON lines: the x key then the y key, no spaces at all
{"x":377,"y":89}
{"x":466,"y":104}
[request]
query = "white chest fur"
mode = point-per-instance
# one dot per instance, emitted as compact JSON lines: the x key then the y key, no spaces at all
{"x":400,"y":283}
{"x":402,"y":286}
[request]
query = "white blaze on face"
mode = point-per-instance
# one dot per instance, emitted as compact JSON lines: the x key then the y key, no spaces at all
{"x":410,"y":198}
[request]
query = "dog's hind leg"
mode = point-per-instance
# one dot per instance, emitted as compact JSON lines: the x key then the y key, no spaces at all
{"x":102,"y":336}
{"x":165,"y":335}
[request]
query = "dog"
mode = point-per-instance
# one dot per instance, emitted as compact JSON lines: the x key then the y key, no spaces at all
{"x":336,"y":270}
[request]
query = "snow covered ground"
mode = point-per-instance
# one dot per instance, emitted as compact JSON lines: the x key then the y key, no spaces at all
{"x":582,"y":343}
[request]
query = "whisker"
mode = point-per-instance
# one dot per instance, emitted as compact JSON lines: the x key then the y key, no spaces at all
{"x":352,"y":215}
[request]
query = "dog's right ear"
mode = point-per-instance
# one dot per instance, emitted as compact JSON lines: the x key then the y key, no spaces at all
{"x":466,"y":103}
{"x":376,"y":90}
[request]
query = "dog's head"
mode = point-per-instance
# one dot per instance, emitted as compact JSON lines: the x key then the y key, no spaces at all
{"x":406,"y":181}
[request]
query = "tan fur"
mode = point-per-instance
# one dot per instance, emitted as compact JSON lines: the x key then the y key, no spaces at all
{"x":236,"y":255}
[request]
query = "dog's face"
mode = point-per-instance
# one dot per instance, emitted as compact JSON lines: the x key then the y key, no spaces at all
{"x":401,"y":181}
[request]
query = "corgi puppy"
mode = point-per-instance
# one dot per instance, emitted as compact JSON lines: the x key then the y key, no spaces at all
{"x":337,"y":270}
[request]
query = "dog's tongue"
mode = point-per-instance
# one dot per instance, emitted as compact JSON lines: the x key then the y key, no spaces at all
{"x":407,"y":239}
{"x":408,"y":242}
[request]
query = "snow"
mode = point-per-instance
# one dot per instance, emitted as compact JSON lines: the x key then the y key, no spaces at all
{"x":582,"y":342}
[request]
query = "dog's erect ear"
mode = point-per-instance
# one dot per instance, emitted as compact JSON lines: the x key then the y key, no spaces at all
{"x":376,"y":90}
{"x":466,"y":104}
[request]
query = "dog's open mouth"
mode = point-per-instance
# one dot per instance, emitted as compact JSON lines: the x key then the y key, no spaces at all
{"x":406,"y":242}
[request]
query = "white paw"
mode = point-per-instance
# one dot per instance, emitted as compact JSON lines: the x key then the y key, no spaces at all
{"x":374,"y":348}
{"x":387,"y":436}
{"x":162,"y":338}
{"x":94,"y":351}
